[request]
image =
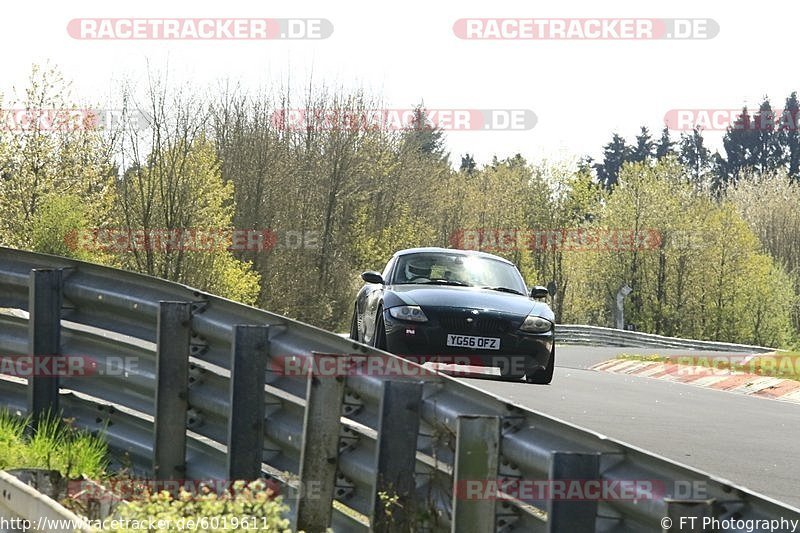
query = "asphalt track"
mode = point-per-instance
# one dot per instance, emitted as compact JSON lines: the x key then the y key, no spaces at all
{"x":752,"y":442}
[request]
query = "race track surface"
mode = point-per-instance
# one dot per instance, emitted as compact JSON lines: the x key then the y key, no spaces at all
{"x":753,"y":442}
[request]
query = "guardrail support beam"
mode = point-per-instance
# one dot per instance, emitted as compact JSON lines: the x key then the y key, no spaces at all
{"x":476,"y":462}
{"x":687,"y":515}
{"x":396,"y":454}
{"x":246,"y":425}
{"x":319,"y":455}
{"x":572,"y":515}
{"x":44,"y":338}
{"x":173,"y":336}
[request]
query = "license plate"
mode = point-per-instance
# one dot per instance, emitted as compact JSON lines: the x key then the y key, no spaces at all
{"x":468,"y":341}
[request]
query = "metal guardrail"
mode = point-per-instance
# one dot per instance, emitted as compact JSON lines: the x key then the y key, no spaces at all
{"x":23,"y":508}
{"x":195,"y":406}
{"x":595,"y":335}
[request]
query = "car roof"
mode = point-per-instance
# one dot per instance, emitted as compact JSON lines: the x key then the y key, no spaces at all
{"x":451,"y":250}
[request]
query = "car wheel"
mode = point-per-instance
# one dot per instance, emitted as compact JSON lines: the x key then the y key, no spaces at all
{"x":379,"y":336}
{"x":543,"y":376}
{"x":354,"y":326}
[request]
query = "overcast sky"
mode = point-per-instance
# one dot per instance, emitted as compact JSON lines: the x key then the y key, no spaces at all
{"x":407,"y":52}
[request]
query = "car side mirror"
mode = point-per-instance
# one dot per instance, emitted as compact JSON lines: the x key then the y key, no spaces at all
{"x":370,"y":276}
{"x":539,"y":292}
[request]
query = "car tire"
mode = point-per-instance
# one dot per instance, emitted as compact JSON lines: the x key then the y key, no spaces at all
{"x":543,"y":376}
{"x":379,"y":336}
{"x":354,"y":326}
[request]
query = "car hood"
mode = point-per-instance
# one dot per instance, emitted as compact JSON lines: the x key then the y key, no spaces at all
{"x":467,"y":297}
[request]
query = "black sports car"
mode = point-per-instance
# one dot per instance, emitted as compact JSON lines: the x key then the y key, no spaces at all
{"x":457,"y":306}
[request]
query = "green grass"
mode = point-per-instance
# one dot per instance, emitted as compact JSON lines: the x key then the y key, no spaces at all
{"x":780,"y":365}
{"x":655,"y":358}
{"x":55,"y":445}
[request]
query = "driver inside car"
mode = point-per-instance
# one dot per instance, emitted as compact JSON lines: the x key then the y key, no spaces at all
{"x":456,"y":273}
{"x":417,"y":270}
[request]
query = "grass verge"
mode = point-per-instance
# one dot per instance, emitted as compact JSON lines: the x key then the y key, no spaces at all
{"x":784,"y":365}
{"x":55,"y":445}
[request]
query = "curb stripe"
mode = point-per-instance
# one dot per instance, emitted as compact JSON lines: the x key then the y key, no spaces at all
{"x":736,"y":381}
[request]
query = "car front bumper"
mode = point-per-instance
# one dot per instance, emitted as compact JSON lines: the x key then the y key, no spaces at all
{"x":519,"y":352}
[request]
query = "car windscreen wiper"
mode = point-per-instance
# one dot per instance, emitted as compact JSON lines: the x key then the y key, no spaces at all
{"x":445,"y":282}
{"x":504,"y":289}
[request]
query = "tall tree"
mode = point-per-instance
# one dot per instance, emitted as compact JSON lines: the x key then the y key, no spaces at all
{"x":48,"y":155}
{"x":767,"y":152}
{"x":789,"y":135}
{"x":694,"y":156}
{"x":586,"y":164}
{"x":739,"y":143}
{"x":172,"y":188}
{"x":664,"y":146}
{"x":769,"y":205}
{"x":425,"y":137}
{"x":615,"y":154}
{"x":644,"y":146}
{"x":467,"y":164}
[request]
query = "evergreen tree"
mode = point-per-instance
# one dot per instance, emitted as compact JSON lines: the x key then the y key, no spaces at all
{"x":767,"y":151}
{"x":424,"y":137}
{"x":694,"y":155}
{"x":644,"y":146}
{"x":516,"y":162}
{"x":739,"y":143}
{"x":664,"y":145}
{"x":615,"y":154}
{"x":467,"y":164}
{"x":586,"y":164}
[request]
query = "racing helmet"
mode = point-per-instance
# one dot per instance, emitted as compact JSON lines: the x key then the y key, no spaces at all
{"x":416,"y":268}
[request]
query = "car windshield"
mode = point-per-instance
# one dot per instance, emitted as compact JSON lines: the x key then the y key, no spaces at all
{"x":457,"y":269}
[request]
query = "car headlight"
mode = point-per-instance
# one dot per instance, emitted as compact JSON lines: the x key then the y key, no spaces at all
{"x":536,"y":324}
{"x":412,"y":313}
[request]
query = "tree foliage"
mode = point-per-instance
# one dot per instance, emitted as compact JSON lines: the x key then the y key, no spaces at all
{"x":338,"y":194}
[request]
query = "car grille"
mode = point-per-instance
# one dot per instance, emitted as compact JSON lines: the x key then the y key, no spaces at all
{"x":480,"y":324}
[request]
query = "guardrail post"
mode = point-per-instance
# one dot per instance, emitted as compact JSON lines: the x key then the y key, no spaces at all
{"x":687,"y":515}
{"x":173,"y":335}
{"x":44,"y":338}
{"x":476,"y":461}
{"x":572,"y":515}
{"x":246,"y":424}
{"x":396,"y":454}
{"x":319,"y":455}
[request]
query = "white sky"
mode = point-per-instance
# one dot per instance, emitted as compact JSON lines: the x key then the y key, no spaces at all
{"x":406,"y":52}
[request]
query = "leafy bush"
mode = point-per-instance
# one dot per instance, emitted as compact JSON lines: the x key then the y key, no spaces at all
{"x":247,"y":507}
